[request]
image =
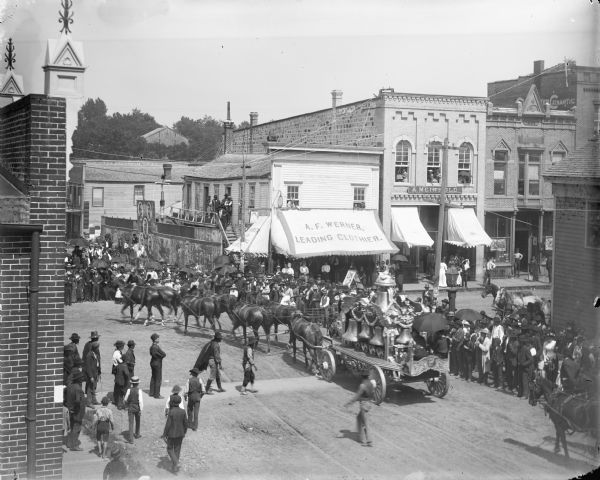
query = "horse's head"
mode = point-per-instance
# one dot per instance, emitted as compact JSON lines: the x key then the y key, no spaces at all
{"x":537,"y":387}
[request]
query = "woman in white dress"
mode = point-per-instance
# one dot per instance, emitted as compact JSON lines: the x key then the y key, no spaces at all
{"x":443,"y":268}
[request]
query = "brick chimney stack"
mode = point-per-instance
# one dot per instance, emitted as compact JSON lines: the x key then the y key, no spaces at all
{"x":253,"y":122}
{"x":538,"y":68}
{"x":227,"y":128}
{"x":336,"y":98}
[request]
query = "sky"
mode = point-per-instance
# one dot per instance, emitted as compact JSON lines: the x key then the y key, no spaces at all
{"x":174,"y":58}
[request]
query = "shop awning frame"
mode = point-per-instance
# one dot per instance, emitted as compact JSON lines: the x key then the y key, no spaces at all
{"x":407,"y":227}
{"x":464,"y":229}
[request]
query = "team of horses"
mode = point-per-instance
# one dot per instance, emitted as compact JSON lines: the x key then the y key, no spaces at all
{"x":507,"y":302}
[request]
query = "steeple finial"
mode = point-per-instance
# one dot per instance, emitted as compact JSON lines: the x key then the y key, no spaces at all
{"x":66,"y":17}
{"x":9,"y":56}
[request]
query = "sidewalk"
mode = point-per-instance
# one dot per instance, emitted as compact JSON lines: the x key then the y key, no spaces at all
{"x":519,"y":283}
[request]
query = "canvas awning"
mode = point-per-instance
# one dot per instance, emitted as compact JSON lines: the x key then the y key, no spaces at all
{"x":407,"y":227}
{"x":256,"y":239}
{"x":315,"y":233}
{"x":464,"y":229}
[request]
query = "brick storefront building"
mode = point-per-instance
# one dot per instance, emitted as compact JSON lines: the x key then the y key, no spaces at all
{"x":576,"y":185}
{"x":32,"y":240}
{"x":523,"y":141}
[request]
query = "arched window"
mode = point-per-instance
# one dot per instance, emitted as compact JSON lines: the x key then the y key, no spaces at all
{"x":434,"y":166}
{"x":465,"y":164}
{"x":403,"y":154}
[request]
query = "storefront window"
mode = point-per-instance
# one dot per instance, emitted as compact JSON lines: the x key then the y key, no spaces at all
{"x":529,"y":172}
{"x":98,"y":197}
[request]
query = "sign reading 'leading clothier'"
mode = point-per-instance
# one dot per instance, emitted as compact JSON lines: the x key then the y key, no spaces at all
{"x":311,"y":233}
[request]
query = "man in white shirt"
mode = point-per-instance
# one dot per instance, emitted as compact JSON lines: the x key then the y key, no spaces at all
{"x":497,"y":330}
{"x":517,"y":257}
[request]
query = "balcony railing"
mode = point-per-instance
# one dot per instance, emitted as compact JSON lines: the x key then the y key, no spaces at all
{"x":193,"y":216}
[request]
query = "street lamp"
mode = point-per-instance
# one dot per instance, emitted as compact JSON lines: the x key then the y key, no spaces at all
{"x":452,"y":281}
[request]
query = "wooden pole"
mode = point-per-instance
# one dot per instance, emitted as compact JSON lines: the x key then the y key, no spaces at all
{"x":441,"y":214}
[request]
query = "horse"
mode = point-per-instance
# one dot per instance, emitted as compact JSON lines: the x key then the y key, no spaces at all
{"x":144,"y":296}
{"x":170,"y":298}
{"x":493,"y":289}
{"x":281,"y":314}
{"x":569,"y":413}
{"x":310,"y":335}
{"x":511,"y":300}
{"x":200,"y":306}
{"x":244,"y":315}
{"x":225,"y":304}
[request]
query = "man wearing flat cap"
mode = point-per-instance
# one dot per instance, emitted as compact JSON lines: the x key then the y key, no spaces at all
{"x":75,"y":403}
{"x":129,"y":357}
{"x":156,"y":358}
{"x":92,"y":370}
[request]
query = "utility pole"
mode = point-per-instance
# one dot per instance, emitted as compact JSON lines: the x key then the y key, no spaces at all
{"x":442,"y":212}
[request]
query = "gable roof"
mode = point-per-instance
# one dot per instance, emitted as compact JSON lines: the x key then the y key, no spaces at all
{"x":533,"y":103}
{"x":128,"y":171}
{"x":583,"y":163}
{"x":229,"y":166}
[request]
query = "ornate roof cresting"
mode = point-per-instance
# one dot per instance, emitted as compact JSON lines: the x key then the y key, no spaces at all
{"x":9,"y":56}
{"x":66,"y":17}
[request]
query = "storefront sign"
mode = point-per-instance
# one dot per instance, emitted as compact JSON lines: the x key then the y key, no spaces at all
{"x":432,"y":189}
{"x":548,"y":243}
{"x":349,"y":277}
{"x":498,"y":244}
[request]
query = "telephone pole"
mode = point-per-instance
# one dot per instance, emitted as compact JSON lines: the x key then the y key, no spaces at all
{"x":442,"y":213}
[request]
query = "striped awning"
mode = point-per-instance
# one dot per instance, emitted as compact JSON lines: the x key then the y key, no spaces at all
{"x":407,"y":227}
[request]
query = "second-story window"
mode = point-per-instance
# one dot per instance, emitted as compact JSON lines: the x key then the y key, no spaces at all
{"x":403,"y":154}
{"x":529,"y":172}
{"x":251,"y":195}
{"x":500,"y":165}
{"x":359,"y":197}
{"x":98,"y":197}
{"x":465,"y":164}
{"x":138,"y":193}
{"x":293,"y":196}
{"x":434,"y":166}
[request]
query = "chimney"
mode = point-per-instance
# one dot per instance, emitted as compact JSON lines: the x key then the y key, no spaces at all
{"x":227,"y":128}
{"x":253,"y":122}
{"x":538,"y":68}
{"x":336,"y":98}
{"x":167,"y":167}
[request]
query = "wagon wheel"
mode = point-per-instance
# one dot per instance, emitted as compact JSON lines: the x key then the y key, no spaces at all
{"x":327,"y":364}
{"x":438,"y":387}
{"x":376,"y":375}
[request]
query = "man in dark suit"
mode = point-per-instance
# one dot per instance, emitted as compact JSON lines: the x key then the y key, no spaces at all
{"x":122,"y":382}
{"x":129,"y":357}
{"x":524,"y":367}
{"x":175,"y":430}
{"x":156,"y":358}
{"x":92,"y":370}
{"x":510,"y":361}
{"x":75,"y":403}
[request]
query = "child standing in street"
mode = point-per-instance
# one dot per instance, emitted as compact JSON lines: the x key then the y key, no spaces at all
{"x":248,"y":365}
{"x":103,"y":422}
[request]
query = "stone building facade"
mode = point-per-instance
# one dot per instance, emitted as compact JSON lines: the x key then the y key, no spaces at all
{"x":523,"y":141}
{"x":33,"y":187}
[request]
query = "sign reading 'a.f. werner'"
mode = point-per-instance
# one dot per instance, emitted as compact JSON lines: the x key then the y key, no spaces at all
{"x":432,"y":189}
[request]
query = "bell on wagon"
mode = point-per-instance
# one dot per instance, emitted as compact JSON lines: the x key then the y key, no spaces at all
{"x":377,"y":338}
{"x":404,"y":338}
{"x":365,"y":332}
{"x":351,"y":334}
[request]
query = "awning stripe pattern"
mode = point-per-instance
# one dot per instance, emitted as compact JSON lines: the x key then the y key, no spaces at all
{"x":256,"y":239}
{"x":315,"y":233}
{"x":407,"y":227}
{"x":465,"y":230}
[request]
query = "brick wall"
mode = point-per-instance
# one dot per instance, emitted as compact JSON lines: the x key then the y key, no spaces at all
{"x":32,"y":147}
{"x":355,"y":125}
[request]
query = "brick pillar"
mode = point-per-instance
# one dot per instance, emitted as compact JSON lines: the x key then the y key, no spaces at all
{"x":32,"y":147}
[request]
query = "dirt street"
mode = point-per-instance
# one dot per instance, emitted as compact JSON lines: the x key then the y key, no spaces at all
{"x":296,"y":425}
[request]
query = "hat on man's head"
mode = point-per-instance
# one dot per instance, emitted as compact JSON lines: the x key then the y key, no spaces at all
{"x":218,"y":336}
{"x":176,"y":389}
{"x":130,"y":343}
{"x":194,"y":371}
{"x":74,"y":336}
{"x":154,"y":336}
{"x":465,"y":323}
{"x":496,"y":319}
{"x":94,"y":335}
{"x":135,"y":379}
{"x":119,"y":343}
{"x":486,"y":331}
{"x":426,"y":286}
